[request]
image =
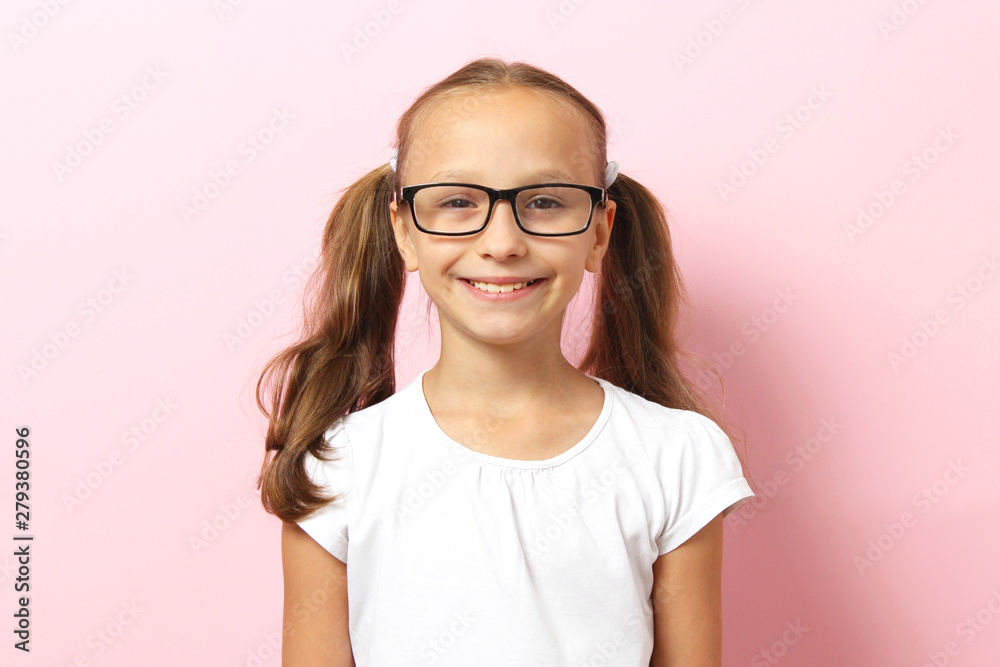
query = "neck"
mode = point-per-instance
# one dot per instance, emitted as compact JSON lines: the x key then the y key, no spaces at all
{"x":522,"y":376}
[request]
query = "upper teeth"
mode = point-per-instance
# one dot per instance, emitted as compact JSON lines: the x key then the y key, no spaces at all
{"x":494,"y":287}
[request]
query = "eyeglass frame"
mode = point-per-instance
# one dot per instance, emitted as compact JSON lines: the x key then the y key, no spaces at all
{"x":597,"y":196}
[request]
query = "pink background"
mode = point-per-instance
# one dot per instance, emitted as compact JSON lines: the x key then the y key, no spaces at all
{"x":842,"y":543}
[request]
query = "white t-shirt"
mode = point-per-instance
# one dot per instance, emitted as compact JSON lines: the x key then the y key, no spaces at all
{"x":455,"y":557}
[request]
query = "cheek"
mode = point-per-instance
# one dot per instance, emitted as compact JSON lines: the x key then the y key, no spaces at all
{"x":436,"y":259}
{"x":570,"y":267}
{"x":574,"y":259}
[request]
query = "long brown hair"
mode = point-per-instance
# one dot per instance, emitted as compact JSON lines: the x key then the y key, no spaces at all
{"x":344,"y":361}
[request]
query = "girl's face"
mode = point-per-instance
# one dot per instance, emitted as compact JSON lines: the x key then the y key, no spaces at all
{"x":501,"y":140}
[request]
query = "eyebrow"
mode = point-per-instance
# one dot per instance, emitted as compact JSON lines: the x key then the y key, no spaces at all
{"x":535,"y":176}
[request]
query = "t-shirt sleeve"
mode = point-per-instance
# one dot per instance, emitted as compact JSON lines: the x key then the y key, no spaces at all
{"x":328,"y":525}
{"x":701,"y":477}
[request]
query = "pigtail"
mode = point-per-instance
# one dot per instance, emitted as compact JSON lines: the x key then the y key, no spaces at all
{"x":635,"y":340}
{"x":636,"y":310}
{"x":345,"y":361}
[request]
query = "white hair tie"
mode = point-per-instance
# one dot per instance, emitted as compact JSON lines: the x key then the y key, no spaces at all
{"x":610,"y":170}
{"x":610,"y":173}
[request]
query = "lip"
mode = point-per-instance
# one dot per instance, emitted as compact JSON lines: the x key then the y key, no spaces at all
{"x":502,"y":296}
{"x":500,"y":280}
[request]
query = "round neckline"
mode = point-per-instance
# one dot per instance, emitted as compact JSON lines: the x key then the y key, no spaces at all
{"x":426,"y":414}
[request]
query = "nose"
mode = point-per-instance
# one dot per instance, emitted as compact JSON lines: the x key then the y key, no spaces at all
{"x":502,"y":237}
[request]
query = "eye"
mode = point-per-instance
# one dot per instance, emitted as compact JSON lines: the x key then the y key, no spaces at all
{"x":544,"y":203}
{"x":457,"y":202}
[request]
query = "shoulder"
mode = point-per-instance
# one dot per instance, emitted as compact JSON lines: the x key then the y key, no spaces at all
{"x":354,"y":440}
{"x":670,"y":444}
{"x":659,"y":422}
{"x":362,"y":425}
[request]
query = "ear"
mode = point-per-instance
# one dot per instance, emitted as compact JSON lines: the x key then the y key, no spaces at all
{"x":604,"y":220}
{"x":404,"y":239}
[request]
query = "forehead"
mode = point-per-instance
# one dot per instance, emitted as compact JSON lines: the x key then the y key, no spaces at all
{"x":505,"y":134}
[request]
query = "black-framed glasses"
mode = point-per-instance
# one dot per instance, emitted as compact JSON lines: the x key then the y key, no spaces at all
{"x":543,"y":209}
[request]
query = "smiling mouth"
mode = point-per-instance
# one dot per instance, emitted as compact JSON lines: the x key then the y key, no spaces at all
{"x":495,"y":287}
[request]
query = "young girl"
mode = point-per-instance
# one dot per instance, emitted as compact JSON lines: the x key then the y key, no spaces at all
{"x":504,"y":507}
